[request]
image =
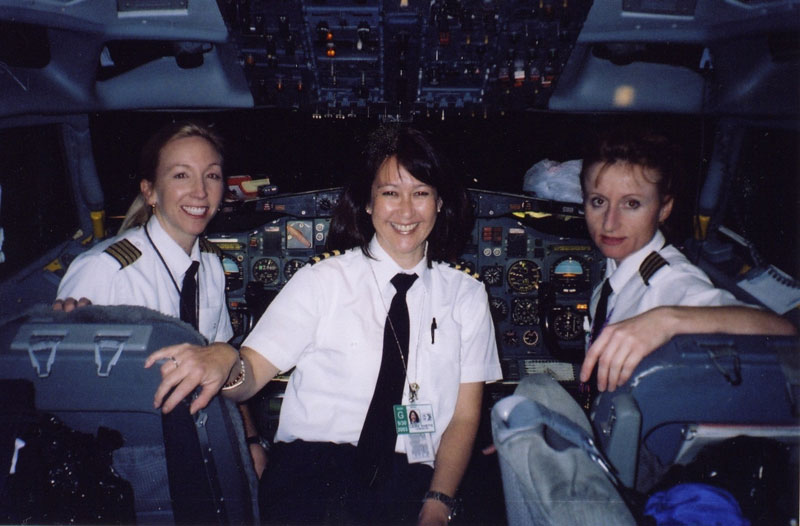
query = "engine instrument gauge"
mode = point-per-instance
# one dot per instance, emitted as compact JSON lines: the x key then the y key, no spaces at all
{"x":510,"y":338}
{"x":292,"y":266}
{"x":524,"y":311}
{"x":233,"y":273}
{"x":498,"y":308}
{"x":265,"y":270}
{"x":570,"y":274}
{"x":530,"y":338}
{"x":492,"y":275}
{"x":567,"y":324}
{"x":524,"y":276}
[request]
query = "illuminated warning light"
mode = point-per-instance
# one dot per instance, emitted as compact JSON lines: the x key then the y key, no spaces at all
{"x":582,"y":306}
{"x":519,"y":77}
{"x":329,"y":36}
{"x":331,"y":51}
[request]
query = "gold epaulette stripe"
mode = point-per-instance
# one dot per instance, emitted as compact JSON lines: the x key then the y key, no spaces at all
{"x":208,"y":246}
{"x":466,"y":270}
{"x":124,"y":252}
{"x":325,"y":255}
{"x":651,"y":264}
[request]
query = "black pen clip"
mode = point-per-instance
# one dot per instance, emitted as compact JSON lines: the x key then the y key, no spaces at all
{"x":433,"y":330}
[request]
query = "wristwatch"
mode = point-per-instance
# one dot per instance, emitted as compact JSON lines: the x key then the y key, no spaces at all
{"x":447,"y":500}
{"x":257,"y":439}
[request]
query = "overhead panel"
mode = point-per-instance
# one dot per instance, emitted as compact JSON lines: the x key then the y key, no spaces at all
{"x":400,"y":58}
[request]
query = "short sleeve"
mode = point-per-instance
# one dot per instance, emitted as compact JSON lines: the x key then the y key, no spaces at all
{"x":90,"y":276}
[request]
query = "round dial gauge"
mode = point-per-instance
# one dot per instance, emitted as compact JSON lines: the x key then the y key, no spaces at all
{"x":530,"y":338}
{"x":265,"y":270}
{"x":524,"y":276}
{"x":499,"y":308}
{"x":568,"y":325}
{"x":510,"y":338}
{"x":570,"y":274}
{"x":492,"y":275}
{"x":524,"y":311}
{"x":291,"y":267}
{"x":233,"y":273}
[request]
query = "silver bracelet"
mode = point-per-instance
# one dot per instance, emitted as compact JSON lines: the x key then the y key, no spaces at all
{"x":239,"y":380}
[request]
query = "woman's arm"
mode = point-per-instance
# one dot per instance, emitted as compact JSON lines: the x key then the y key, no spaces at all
{"x":621,"y":346}
{"x":187,"y":367}
{"x":454,"y":452}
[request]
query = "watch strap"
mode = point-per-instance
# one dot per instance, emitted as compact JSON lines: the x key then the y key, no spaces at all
{"x":445,"y":499}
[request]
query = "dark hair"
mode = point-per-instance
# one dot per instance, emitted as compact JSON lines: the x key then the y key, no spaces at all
{"x":639,"y":146}
{"x":351,"y":226}
{"x":139,"y":213}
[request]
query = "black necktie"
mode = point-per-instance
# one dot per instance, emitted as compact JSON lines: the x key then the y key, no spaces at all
{"x":189,"y":296}
{"x":600,"y":314}
{"x":376,"y":443}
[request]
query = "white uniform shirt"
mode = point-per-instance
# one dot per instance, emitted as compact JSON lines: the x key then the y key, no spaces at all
{"x":678,"y":283}
{"x":101,"y":278}
{"x":328,"y":321}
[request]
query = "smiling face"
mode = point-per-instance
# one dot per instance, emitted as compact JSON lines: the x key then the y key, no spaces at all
{"x":188,"y":188}
{"x":623,"y":208}
{"x":403,"y":211}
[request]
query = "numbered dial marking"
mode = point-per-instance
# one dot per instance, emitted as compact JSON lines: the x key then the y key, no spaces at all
{"x":524,"y":276}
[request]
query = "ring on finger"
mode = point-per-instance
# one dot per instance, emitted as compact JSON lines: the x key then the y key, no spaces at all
{"x":175,"y":361}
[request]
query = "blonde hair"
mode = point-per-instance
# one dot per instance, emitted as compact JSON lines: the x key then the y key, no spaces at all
{"x":139,"y":212}
{"x":137,"y":215}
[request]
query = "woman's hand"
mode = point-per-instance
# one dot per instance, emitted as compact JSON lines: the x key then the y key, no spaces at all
{"x":621,"y":346}
{"x":186,"y":367}
{"x":70,"y":304}
{"x":433,"y":513}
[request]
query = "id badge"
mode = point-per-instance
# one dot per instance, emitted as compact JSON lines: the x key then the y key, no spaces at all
{"x":415,"y":423}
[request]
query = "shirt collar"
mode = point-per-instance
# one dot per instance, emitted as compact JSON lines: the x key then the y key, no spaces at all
{"x":177,"y":260}
{"x":618,"y":275}
{"x":385,"y":267}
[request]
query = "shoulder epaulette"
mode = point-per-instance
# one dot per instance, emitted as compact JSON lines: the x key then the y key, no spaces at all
{"x":466,"y":270}
{"x":208,"y":246}
{"x":651,"y":264}
{"x":124,"y":252}
{"x":325,"y":255}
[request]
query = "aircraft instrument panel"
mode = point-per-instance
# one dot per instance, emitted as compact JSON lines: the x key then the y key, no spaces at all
{"x":532,"y":255}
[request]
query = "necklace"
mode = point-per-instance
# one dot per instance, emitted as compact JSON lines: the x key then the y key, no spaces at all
{"x":413,"y":387}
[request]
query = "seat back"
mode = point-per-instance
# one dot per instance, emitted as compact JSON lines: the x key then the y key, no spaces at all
{"x":738,"y":382}
{"x":86,"y":369}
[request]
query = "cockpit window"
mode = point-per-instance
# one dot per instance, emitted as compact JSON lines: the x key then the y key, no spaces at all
{"x":35,"y":211}
{"x":764,"y":196}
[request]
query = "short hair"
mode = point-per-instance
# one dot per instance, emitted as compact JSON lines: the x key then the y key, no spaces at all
{"x":637,"y":146}
{"x":352,"y":226}
{"x":139,"y":213}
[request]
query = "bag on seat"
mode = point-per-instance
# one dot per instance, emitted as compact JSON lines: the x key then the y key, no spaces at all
{"x":552,"y":472}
